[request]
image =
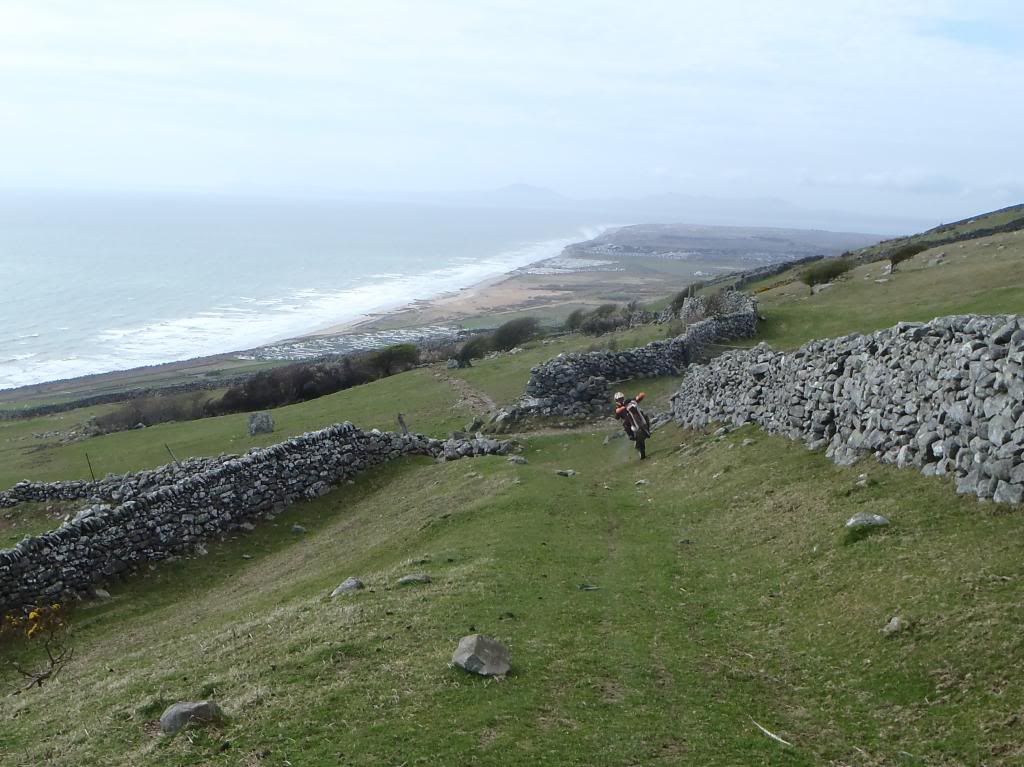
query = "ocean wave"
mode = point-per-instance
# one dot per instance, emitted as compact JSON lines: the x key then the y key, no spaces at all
{"x":247,"y":322}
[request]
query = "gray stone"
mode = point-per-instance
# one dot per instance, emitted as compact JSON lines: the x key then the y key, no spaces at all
{"x":348,"y":586}
{"x":260,"y":423}
{"x":1007,"y":493}
{"x":895,"y":625}
{"x":298,"y":529}
{"x":483,"y":655}
{"x":866,"y":519}
{"x":168,"y":512}
{"x":414,"y":579}
{"x":566,"y":473}
{"x":516,"y":459}
{"x":181,"y":714}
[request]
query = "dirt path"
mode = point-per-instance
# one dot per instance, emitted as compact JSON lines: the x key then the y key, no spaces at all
{"x":469,"y":396}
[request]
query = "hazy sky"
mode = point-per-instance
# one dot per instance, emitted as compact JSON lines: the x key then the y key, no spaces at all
{"x":902,"y":106}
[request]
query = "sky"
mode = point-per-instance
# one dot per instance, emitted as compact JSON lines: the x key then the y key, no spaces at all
{"x":909,"y":108}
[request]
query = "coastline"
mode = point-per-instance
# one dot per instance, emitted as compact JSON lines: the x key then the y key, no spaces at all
{"x":548,"y":288}
{"x":442,"y":314}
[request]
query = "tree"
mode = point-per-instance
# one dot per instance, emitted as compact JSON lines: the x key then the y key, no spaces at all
{"x":393,"y":358}
{"x":824,"y":271}
{"x":514,"y":332}
{"x":905,"y":253}
{"x":474,"y":348}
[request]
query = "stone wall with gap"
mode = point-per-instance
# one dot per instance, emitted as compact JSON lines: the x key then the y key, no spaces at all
{"x":578,"y":384}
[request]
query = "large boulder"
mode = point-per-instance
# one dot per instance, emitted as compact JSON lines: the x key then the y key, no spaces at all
{"x":483,"y":655}
{"x":181,"y":714}
{"x":260,"y":423}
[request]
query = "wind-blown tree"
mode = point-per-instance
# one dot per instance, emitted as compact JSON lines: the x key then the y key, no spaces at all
{"x":905,"y":253}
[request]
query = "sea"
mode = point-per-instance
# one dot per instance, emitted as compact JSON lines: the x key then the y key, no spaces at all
{"x":91,"y":284}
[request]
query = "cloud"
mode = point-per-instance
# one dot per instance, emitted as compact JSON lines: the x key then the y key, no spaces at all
{"x":585,"y":97}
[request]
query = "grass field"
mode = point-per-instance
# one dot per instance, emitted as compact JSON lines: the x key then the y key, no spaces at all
{"x":984,"y":276}
{"x":727,"y":593}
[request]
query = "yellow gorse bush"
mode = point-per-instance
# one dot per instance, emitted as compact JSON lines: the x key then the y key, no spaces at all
{"x":33,"y":622}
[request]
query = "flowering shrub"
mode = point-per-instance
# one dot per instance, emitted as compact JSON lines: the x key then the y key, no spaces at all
{"x":47,"y":625}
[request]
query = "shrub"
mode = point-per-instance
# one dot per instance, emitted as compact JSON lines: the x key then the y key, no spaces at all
{"x":899,"y":255}
{"x":824,"y":271}
{"x":46,"y":625}
{"x":474,"y":349}
{"x":294,"y":383}
{"x":150,"y":411}
{"x":596,"y":325}
{"x":717,"y":304}
{"x":575,"y":319}
{"x":395,"y":358}
{"x":514,"y":332}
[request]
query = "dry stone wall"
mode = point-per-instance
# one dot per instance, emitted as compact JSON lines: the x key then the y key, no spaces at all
{"x":171,"y":510}
{"x":946,"y":397}
{"x":577,"y":384}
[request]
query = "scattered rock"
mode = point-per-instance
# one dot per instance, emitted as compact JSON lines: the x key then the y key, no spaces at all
{"x":414,"y":579}
{"x":588,"y":587}
{"x":517,"y":459}
{"x":640,"y":482}
{"x":748,"y":442}
{"x":181,"y":714}
{"x":566,"y":473}
{"x":348,"y":586}
{"x":298,"y":529}
{"x":864,"y":519}
{"x":101,"y":593}
{"x":260,"y":423}
{"x":483,"y":655}
{"x":895,"y":625}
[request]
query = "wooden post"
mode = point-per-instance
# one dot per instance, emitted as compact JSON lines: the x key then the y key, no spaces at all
{"x":171,"y":452}
{"x":91,"y":472}
{"x":401,"y":422}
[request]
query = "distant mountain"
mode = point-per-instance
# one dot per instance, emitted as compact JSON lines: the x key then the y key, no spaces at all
{"x":685,"y":208}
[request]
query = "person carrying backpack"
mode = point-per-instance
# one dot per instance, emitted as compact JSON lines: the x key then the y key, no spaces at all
{"x":635,"y":423}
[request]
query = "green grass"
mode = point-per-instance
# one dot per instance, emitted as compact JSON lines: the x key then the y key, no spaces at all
{"x":429,"y":405}
{"x":720,"y":600}
{"x":728,"y":592}
{"x":978,"y":276}
{"x":965,"y":227}
{"x":504,"y":378}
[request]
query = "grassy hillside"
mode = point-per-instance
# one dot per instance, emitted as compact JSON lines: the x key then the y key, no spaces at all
{"x":1005,"y":219}
{"x":727,"y":593}
{"x":983,"y":276}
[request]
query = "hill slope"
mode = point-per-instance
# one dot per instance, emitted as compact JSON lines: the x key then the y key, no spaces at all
{"x":727,"y":593}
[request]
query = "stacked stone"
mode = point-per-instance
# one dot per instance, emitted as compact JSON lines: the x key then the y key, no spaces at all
{"x":945,"y":396}
{"x":113,"y":487}
{"x":174,"y":518}
{"x":578,"y":384}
